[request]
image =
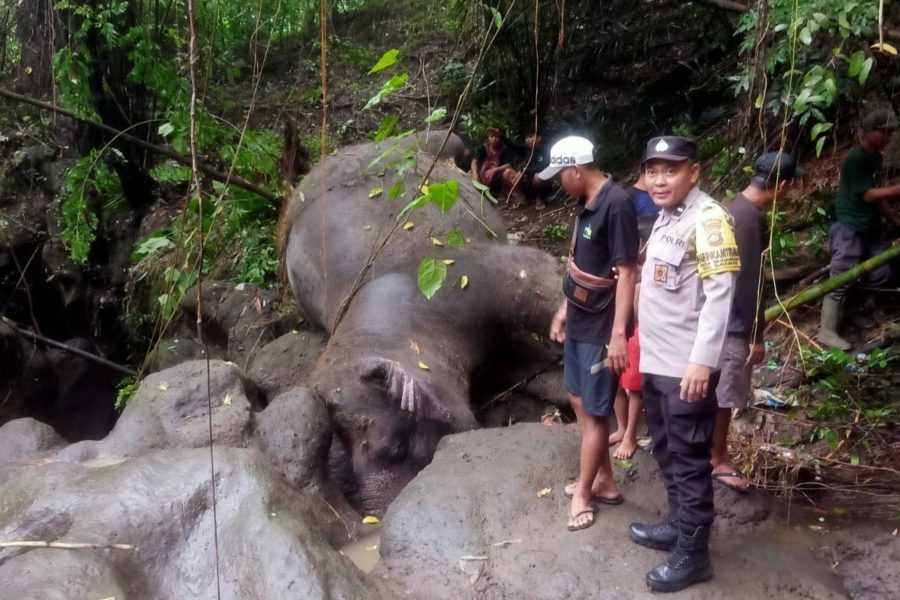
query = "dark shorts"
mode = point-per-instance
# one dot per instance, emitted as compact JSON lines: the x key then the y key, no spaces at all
{"x":587,"y":375}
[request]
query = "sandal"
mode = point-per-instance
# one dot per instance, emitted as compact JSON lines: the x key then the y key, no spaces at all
{"x":569,"y":491}
{"x":576,"y":523}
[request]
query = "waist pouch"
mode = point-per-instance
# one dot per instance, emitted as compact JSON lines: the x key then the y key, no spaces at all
{"x":588,"y":292}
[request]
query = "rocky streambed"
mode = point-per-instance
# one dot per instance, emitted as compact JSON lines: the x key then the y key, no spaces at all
{"x":478,"y":522}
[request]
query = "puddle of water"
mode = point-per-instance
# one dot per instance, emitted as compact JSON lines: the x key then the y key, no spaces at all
{"x":364,"y":552}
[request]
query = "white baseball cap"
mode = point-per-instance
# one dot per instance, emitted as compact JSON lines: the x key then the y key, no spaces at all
{"x":568,"y":152}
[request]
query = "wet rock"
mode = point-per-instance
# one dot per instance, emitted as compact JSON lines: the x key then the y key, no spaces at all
{"x":294,"y":432}
{"x":237,"y":319}
{"x":269,"y":543}
{"x":490,"y":534}
{"x":171,"y":352}
{"x":170,"y":410}
{"x":21,"y":439}
{"x":286,"y":361}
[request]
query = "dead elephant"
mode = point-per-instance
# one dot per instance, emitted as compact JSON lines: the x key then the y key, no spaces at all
{"x":397,"y":373}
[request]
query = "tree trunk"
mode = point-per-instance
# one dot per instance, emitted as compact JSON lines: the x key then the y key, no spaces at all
{"x":39,"y":31}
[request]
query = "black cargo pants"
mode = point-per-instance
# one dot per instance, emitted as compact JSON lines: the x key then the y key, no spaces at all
{"x":682,"y":438}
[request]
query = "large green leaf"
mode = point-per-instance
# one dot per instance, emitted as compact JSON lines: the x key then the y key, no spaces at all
{"x":456,"y":237}
{"x":388,"y":59}
{"x":391,"y":86}
{"x":386,"y":127}
{"x":432,"y":273}
{"x":444,"y":195}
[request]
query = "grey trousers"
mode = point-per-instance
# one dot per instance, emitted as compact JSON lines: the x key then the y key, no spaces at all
{"x":849,"y":248}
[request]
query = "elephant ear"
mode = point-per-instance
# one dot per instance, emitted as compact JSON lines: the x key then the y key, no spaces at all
{"x":404,"y":390}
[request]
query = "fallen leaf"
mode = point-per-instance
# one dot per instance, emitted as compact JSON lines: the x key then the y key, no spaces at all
{"x":463,"y":282}
{"x":367,"y":227}
{"x":625,"y":465}
{"x":370,"y":520}
{"x":448,"y":261}
{"x":163,"y":386}
{"x":885,"y":47}
{"x":473,"y":558}
{"x":414,"y":346}
{"x":437,"y":242}
{"x":423,"y":366}
{"x":372,"y":548}
{"x":894,"y":533}
{"x":505,"y":543}
{"x":544,"y":492}
{"x":28,"y":70}
{"x":523,"y":274}
{"x":375,"y":192}
{"x":227,"y":400}
{"x":274,"y":514}
{"x":408,"y":225}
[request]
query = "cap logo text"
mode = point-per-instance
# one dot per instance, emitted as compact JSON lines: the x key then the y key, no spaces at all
{"x":562,"y":160}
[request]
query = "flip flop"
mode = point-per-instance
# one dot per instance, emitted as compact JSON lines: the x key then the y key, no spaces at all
{"x":614,"y":501}
{"x":720,"y":479}
{"x":569,"y":491}
{"x":584,"y":525}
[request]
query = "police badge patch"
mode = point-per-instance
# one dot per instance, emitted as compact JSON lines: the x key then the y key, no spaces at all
{"x":660,"y":273}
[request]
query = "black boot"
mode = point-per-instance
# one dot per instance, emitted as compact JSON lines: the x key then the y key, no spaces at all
{"x":659,"y":536}
{"x":688,"y":564}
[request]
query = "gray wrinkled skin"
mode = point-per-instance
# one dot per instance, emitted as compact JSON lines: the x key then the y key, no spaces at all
{"x":387,"y":409}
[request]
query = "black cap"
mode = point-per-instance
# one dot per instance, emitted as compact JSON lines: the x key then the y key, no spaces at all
{"x":670,"y":147}
{"x":775,"y":166}
{"x":879,"y":119}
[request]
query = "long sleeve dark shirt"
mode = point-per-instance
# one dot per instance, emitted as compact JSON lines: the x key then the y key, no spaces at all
{"x":748,"y":309}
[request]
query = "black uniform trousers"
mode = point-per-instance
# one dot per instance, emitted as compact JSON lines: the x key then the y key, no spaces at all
{"x":682,"y":437}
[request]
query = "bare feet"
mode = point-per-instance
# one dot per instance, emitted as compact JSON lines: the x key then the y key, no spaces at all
{"x":626,"y":449}
{"x":616,"y":437}
{"x":726,"y":474}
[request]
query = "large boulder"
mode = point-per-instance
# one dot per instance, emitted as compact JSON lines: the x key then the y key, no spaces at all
{"x":22,"y":439}
{"x":473,"y":524}
{"x":170,"y":410}
{"x":160,"y":507}
{"x":285,"y":362}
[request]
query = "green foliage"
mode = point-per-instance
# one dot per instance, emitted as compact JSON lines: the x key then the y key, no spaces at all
{"x":89,"y":179}
{"x":157,"y":242}
{"x":489,"y":114}
{"x":432,"y":273}
{"x":556,"y":233}
{"x":817,"y":54}
{"x":125,"y":391}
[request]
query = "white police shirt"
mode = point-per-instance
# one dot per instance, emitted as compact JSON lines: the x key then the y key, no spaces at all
{"x":687,"y":286}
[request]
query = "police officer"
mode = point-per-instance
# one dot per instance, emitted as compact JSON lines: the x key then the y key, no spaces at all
{"x":688,"y":285}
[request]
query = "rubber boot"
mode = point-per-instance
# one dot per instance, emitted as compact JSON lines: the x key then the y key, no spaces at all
{"x":831,"y":316}
{"x":659,"y":536}
{"x":688,"y":564}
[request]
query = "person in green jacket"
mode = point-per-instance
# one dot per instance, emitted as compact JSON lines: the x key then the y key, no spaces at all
{"x":857,"y":234}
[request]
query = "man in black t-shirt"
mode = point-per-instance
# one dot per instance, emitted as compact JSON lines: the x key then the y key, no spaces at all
{"x":594,"y":318}
{"x":744,"y":342}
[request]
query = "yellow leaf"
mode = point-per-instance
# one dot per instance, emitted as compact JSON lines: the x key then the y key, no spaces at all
{"x":463,"y":282}
{"x":375,"y":192}
{"x":408,"y":225}
{"x":372,"y":548}
{"x":544,"y":492}
{"x":414,"y":346}
{"x":370,"y":520}
{"x":448,"y":261}
{"x":28,"y":70}
{"x":437,"y":242}
{"x":885,"y":47}
{"x":423,"y":366}
{"x":163,"y":386}
{"x":227,"y":400}
{"x":367,"y":227}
